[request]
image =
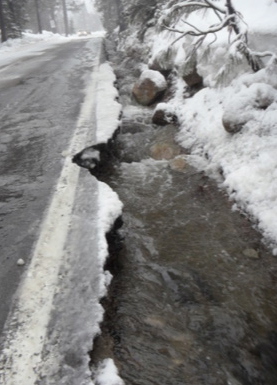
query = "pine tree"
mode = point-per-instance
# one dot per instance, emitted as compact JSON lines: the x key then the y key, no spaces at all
{"x":12,"y":18}
{"x":2,"y":23}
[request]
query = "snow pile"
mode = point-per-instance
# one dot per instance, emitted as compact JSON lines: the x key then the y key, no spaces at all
{"x":29,"y":38}
{"x":107,"y":374}
{"x":156,"y":77}
{"x":110,"y":208}
{"x":34,"y":44}
{"x":247,"y":160}
{"x":108,"y":109}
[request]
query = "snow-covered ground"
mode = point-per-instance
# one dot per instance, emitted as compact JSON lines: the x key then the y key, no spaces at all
{"x":244,"y":163}
{"x":34,"y":44}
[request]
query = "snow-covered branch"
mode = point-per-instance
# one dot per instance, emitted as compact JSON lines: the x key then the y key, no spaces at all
{"x":215,"y":6}
{"x":206,"y":4}
{"x":228,"y":17}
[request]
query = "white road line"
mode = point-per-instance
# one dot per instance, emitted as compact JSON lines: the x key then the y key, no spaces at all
{"x":27,"y":326}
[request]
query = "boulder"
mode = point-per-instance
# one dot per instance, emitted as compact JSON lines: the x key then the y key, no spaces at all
{"x":233,"y":121}
{"x":251,"y":253}
{"x":164,"y":151}
{"x":162,"y":116}
{"x":193,"y":78}
{"x":150,"y":86}
{"x":163,"y":61}
{"x":178,"y":163}
{"x":188,"y":71}
{"x":246,"y":104}
{"x":264,"y":94}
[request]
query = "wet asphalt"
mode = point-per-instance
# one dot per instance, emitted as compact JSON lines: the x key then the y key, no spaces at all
{"x":40,"y":98}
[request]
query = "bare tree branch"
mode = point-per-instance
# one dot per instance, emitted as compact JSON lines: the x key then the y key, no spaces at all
{"x":188,"y":4}
{"x":212,"y":29}
{"x":218,"y":8}
{"x":191,"y":25}
{"x":264,"y":54}
{"x":218,"y":15}
{"x":228,"y":17}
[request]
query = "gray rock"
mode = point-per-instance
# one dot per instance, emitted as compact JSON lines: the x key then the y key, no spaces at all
{"x":234,"y":122}
{"x":150,"y":86}
{"x":192,"y":79}
{"x":161,"y":117}
{"x":164,"y":151}
{"x":250,"y":253}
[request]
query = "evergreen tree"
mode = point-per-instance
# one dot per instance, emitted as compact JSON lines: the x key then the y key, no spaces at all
{"x":12,"y":18}
{"x":2,"y":22}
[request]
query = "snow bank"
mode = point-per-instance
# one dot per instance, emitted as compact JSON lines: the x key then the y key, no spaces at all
{"x":34,"y":44}
{"x":156,"y":77}
{"x":247,"y":159}
{"x":107,"y":374}
{"x":29,"y":38}
{"x":108,"y":109}
{"x":109,"y":209}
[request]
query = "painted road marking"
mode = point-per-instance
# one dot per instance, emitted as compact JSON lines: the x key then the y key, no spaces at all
{"x":26,"y":328}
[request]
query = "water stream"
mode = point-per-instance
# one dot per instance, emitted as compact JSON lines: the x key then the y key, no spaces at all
{"x":193,"y":299}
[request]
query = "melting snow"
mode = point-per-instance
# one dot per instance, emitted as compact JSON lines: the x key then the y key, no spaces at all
{"x":244,"y":163}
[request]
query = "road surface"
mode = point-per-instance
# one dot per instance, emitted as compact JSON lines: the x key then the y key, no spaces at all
{"x":47,"y":207}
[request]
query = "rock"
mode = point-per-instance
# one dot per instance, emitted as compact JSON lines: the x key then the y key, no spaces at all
{"x":192,"y":79}
{"x":65,"y":153}
{"x":250,"y":253}
{"x":178,"y":163}
{"x":155,"y":322}
{"x":88,"y":158}
{"x":188,"y":71}
{"x":243,"y":106}
{"x":234,"y":122}
{"x":265,"y":95}
{"x":164,"y":151}
{"x":20,"y":262}
{"x":150,"y":86}
{"x":133,"y":127}
{"x":159,"y":117}
{"x":163,"y":61}
{"x":162,"y":117}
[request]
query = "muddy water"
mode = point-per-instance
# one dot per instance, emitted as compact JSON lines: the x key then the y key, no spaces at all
{"x":193,"y":299}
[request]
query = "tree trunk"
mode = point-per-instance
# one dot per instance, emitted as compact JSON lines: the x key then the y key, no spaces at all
{"x":253,"y":61}
{"x":65,"y":17}
{"x":2,"y":23}
{"x":231,"y":11}
{"x":38,"y":16}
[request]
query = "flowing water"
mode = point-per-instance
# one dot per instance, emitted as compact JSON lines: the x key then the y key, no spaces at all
{"x":193,"y":299}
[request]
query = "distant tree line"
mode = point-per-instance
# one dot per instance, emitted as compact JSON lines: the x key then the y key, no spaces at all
{"x":37,"y":14}
{"x":12,"y":18}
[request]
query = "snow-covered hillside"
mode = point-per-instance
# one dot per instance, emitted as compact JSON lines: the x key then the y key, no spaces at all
{"x":244,"y":162}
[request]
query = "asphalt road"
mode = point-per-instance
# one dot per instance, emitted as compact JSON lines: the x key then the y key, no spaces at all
{"x":40,"y":101}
